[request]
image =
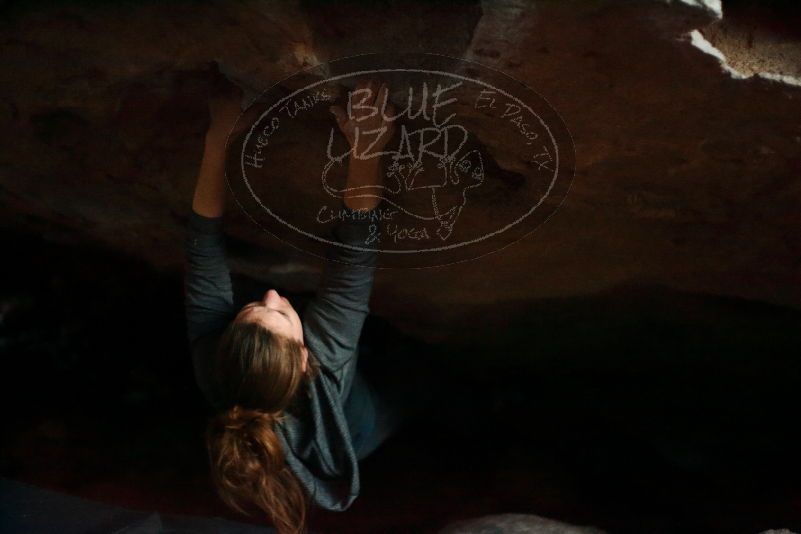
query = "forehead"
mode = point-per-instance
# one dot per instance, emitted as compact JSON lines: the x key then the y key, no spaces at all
{"x":269,"y":318}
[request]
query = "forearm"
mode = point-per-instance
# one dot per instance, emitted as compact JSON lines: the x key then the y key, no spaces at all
{"x":361,"y":191}
{"x":209,"y":196}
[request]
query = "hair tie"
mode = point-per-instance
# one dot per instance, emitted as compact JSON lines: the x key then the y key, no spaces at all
{"x":238,"y":416}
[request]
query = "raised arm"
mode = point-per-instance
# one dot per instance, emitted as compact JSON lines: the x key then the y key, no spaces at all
{"x":208,"y":295}
{"x":333,"y":321}
{"x":208,"y":292}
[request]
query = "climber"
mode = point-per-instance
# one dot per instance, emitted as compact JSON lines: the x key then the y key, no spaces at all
{"x":293,"y":414}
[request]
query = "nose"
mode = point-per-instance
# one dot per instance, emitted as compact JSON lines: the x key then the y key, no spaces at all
{"x":272,"y":299}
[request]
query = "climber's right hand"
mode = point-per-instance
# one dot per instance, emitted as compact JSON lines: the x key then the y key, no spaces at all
{"x":368,"y":108}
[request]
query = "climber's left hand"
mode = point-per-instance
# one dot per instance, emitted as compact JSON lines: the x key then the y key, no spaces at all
{"x":226,"y":118}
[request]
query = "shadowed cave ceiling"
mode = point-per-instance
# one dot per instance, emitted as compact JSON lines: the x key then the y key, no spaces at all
{"x":685,"y":117}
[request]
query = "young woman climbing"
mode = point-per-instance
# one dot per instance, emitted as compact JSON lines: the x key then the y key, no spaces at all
{"x":293,"y":414}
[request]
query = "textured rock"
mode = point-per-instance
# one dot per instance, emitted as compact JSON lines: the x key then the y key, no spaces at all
{"x":516,"y":524}
{"x":686,"y":176}
{"x":756,"y":40}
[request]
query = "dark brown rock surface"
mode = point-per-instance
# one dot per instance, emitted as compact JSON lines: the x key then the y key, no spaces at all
{"x":686,"y":176}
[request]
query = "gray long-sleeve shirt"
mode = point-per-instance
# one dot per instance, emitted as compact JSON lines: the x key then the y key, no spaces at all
{"x":317,"y":444}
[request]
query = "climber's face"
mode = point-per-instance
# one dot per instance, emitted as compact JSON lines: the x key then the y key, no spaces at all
{"x":277,"y":315}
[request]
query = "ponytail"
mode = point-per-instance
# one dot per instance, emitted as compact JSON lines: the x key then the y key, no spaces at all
{"x":260,"y":375}
{"x":248,"y":468}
